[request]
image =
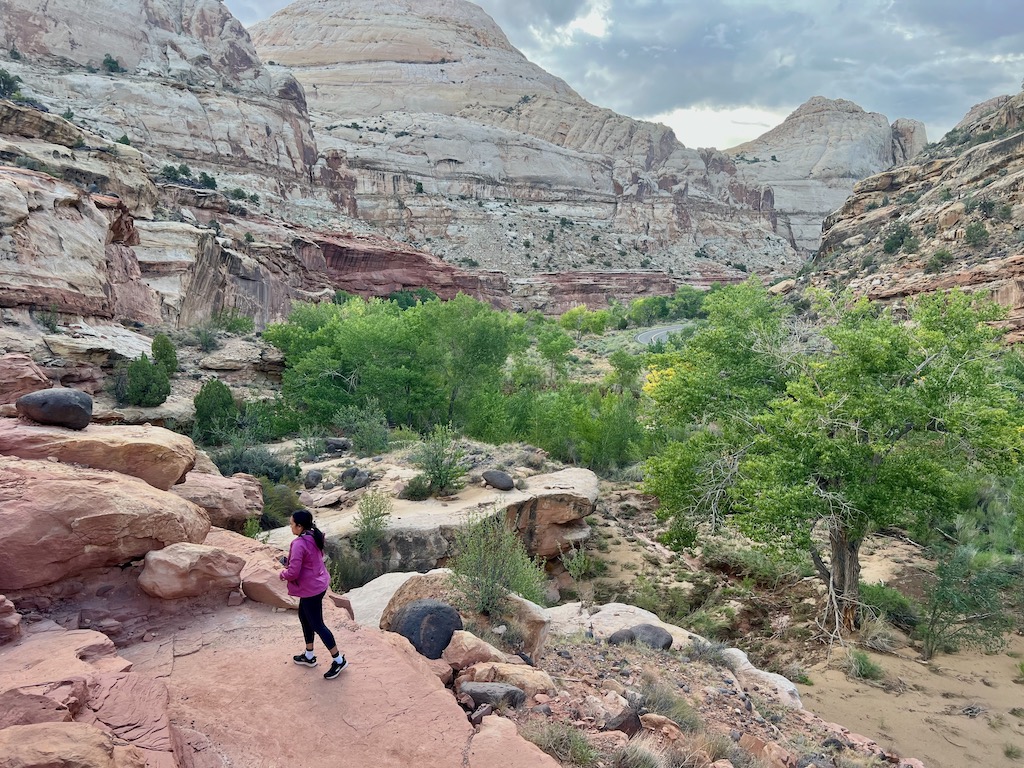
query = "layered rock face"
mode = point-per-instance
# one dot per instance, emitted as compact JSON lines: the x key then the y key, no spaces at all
{"x":191,"y":86}
{"x":812,"y":160}
{"x":957,"y":212}
{"x":434,"y":126}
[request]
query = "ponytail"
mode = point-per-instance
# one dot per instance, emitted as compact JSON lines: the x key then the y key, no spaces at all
{"x":304,"y":519}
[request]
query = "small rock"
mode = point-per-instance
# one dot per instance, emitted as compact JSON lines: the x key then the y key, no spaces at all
{"x":480,"y":713}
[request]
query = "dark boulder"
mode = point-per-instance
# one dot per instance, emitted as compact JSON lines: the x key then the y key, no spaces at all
{"x":497,"y":479}
{"x":494,"y":694}
{"x":621,"y":637}
{"x":312,"y":478}
{"x":654,"y":636}
{"x":428,"y":625}
{"x":338,"y":444}
{"x":59,"y":407}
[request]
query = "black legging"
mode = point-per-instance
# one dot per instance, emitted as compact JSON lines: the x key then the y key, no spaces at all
{"x":311,"y":617}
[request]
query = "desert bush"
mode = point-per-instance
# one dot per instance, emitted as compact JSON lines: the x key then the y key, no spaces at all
{"x":441,"y":458}
{"x":111,"y":64}
{"x":257,"y":460}
{"x":581,"y":565}
{"x":146,"y":384}
{"x":490,"y":561}
{"x":642,"y":751}
{"x":938,"y":260}
{"x":860,"y":666}
{"x":365,"y":425}
{"x":568,"y":745}
{"x":879,"y":635}
{"x":417,"y":489}
{"x":896,"y":236}
{"x":164,"y":353}
{"x":206,"y":181}
{"x":964,"y":607}
{"x":206,"y":338}
{"x":234,"y":322}
{"x":216,"y":413}
{"x":707,"y":651}
{"x":371,"y":522}
{"x":763,"y":567}
{"x":349,"y":571}
{"x":662,"y":698}
{"x":279,"y":501}
{"x":9,"y":85}
{"x":879,"y":600}
{"x":311,"y":444}
{"x":254,"y":530}
{"x":48,"y":318}
{"x":976,"y":234}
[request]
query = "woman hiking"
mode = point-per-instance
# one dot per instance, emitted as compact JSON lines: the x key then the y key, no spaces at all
{"x":308,"y":580}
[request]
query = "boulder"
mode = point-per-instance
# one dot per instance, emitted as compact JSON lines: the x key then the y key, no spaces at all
{"x":498,"y":743}
{"x":10,"y":621}
{"x":338,"y":444}
{"x":229,"y":501}
{"x":19,"y":375}
{"x":770,"y":683}
{"x":494,"y":694}
{"x":369,"y":601}
{"x":528,"y":617}
{"x":495,"y":478}
{"x":621,"y":637}
{"x":466,"y":649}
{"x":654,"y":636}
{"x":603,"y":621}
{"x":189,"y":570}
{"x":552,"y":520}
{"x":156,"y":455}
{"x":261,"y":583}
{"x":66,"y":745}
{"x":529,"y":679}
{"x":60,"y":520}
{"x":312,"y":479}
{"x":58,"y":406}
{"x":428,"y":625}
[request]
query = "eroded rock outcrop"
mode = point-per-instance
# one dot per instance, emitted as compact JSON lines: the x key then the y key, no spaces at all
{"x":59,"y":520}
{"x":158,"y":456}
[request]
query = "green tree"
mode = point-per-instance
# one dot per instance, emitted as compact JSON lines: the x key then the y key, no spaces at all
{"x":9,"y":85}
{"x":580,"y":320}
{"x":147,"y":384}
{"x":216,"y":412}
{"x":164,"y":353}
{"x":881,"y":423}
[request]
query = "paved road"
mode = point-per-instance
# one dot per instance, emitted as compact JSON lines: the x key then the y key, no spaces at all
{"x":660,"y":333}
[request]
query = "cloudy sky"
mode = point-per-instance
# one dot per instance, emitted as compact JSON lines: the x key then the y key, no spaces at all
{"x":721,"y":72}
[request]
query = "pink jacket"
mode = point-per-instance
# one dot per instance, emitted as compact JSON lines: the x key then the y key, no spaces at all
{"x":306,"y":573}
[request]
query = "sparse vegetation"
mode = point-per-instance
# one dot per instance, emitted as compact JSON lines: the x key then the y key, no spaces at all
{"x":441,"y":458}
{"x":976,"y":235}
{"x":371,"y":522}
{"x":562,"y":741}
{"x":490,"y":561}
{"x":860,"y":666}
{"x":164,"y":353}
{"x":111,"y":64}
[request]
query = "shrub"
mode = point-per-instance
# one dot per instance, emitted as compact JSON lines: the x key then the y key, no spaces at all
{"x":860,"y":666}
{"x":216,"y":412}
{"x":441,"y":459}
{"x":976,"y":235}
{"x":642,"y":751}
{"x":164,"y":353}
{"x":896,"y":235}
{"x":938,"y":261}
{"x":371,"y":523}
{"x":68,"y":115}
{"x":662,"y":699}
{"x":417,"y":489}
{"x":170,"y":173}
{"x":562,"y":741}
{"x":49,"y":319}
{"x":365,"y":425}
{"x":899,"y":610}
{"x":279,"y":501}
{"x":206,"y":338}
{"x":964,"y":606}
{"x":490,"y":561}
{"x":124,"y":140}
{"x":234,"y":322}
{"x":349,"y":571}
{"x":256,"y":460}
{"x":206,"y":181}
{"x":111,"y":64}
{"x":146,"y":384}
{"x":580,"y":564}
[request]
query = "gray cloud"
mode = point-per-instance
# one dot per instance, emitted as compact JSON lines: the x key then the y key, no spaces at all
{"x":925,"y":59}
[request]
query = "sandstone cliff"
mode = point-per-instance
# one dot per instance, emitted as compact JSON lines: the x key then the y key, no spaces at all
{"x":952,"y":219}
{"x":812,"y":160}
{"x":443,"y":132}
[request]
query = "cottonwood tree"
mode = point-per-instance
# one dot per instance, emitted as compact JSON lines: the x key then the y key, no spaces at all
{"x":884,"y":421}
